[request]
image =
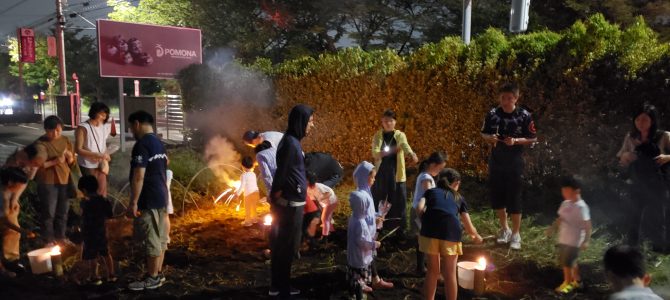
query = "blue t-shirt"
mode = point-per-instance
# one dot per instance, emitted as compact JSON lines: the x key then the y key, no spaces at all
{"x":149,"y":153}
{"x":442,"y":217}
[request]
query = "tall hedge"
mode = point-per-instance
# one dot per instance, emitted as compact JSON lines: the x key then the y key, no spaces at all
{"x":581,"y":85}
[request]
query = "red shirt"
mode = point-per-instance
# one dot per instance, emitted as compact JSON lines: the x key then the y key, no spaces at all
{"x":310,"y":205}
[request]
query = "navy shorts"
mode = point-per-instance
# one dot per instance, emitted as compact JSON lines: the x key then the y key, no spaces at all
{"x":567,"y":255}
{"x":505,"y":191}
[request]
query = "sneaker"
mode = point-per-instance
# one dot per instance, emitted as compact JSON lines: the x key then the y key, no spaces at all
{"x":562,"y":287}
{"x":576,"y":284}
{"x":504,"y":236}
{"x":149,"y":283}
{"x":94,"y":281}
{"x":275,"y":292}
{"x":565,"y":288}
{"x":161,"y":277}
{"x":515,"y":244}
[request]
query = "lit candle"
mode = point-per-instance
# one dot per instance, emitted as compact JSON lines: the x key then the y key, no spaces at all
{"x":267,"y":220}
{"x":480,"y":281}
{"x":57,"y":261}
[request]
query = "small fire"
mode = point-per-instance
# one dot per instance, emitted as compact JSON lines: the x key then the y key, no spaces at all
{"x":235,"y":184}
{"x":237,"y":208}
{"x":267,"y":221}
{"x":55,"y":250}
{"x":481,"y":263}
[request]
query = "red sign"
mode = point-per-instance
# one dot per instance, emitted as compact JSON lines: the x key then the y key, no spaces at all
{"x":146,"y":51}
{"x":51,"y":46}
{"x":27,"y":45}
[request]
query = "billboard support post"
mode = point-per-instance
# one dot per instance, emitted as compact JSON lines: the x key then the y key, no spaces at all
{"x":122,"y":113}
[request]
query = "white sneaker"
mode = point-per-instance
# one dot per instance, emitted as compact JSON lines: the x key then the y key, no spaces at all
{"x":504,"y":236}
{"x":515,"y":244}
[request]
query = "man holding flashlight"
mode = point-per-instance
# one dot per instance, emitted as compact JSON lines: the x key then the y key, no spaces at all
{"x":508,"y":128}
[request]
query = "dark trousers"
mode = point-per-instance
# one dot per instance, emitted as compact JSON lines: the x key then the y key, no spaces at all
{"x":285,"y":238}
{"x":649,"y":202}
{"x":53,"y":213}
{"x":386,"y":188}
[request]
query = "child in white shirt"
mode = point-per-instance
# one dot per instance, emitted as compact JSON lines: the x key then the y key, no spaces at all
{"x":249,"y":187}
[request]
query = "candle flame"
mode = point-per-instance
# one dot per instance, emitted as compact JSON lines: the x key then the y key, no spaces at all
{"x":482,"y":263}
{"x":237,"y":208}
{"x":387,"y":148}
{"x":55,"y":250}
{"x":267,"y":221}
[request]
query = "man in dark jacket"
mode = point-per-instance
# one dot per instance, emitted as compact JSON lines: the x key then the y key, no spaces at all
{"x":328,"y":170}
{"x":287,"y":200}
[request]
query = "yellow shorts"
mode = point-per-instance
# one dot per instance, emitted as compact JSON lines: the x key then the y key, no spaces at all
{"x":439,"y":247}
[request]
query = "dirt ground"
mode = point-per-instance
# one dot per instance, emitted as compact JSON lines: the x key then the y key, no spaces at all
{"x":212,"y":256}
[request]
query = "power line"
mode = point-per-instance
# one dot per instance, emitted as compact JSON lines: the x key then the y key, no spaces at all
{"x":12,"y":6}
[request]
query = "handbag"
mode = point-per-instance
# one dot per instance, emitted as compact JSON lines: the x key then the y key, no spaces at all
{"x":103,"y":165}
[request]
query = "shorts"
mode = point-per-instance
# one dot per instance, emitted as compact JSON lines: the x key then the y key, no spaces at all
{"x":439,"y":247}
{"x":505,"y":191}
{"x":94,"y":247}
{"x":150,"y":231}
{"x":567,"y":255}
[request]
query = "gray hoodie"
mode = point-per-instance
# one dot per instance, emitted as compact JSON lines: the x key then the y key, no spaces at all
{"x":361,"y":230}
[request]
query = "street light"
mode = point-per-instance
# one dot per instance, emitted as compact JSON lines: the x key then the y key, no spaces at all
{"x":518,"y":16}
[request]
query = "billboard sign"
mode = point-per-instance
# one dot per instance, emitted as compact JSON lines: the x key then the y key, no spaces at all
{"x":146,"y":51}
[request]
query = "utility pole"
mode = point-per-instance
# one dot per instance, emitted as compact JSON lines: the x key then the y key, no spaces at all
{"x":467,"y":17}
{"x":60,"y":47}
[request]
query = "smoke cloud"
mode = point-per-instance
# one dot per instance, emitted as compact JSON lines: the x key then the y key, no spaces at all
{"x":225,"y":100}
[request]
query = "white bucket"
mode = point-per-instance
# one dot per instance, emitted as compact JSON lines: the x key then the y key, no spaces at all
{"x":466,"y":274}
{"x":40,"y":260}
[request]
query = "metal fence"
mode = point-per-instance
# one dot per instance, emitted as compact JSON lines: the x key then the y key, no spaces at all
{"x":170,"y":117}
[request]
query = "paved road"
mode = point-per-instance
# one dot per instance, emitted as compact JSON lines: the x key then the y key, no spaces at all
{"x":19,"y":135}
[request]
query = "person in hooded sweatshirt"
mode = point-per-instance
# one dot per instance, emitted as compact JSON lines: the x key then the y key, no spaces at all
{"x":360,"y":256}
{"x":287,"y":200}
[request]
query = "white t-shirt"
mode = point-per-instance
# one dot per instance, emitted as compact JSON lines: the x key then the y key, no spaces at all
{"x":96,"y":141}
{"x":573,"y":215}
{"x":324,"y":189}
{"x":248,"y":184}
{"x":635,"y":293}
{"x":418,"y":189}
{"x":274,"y":137}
